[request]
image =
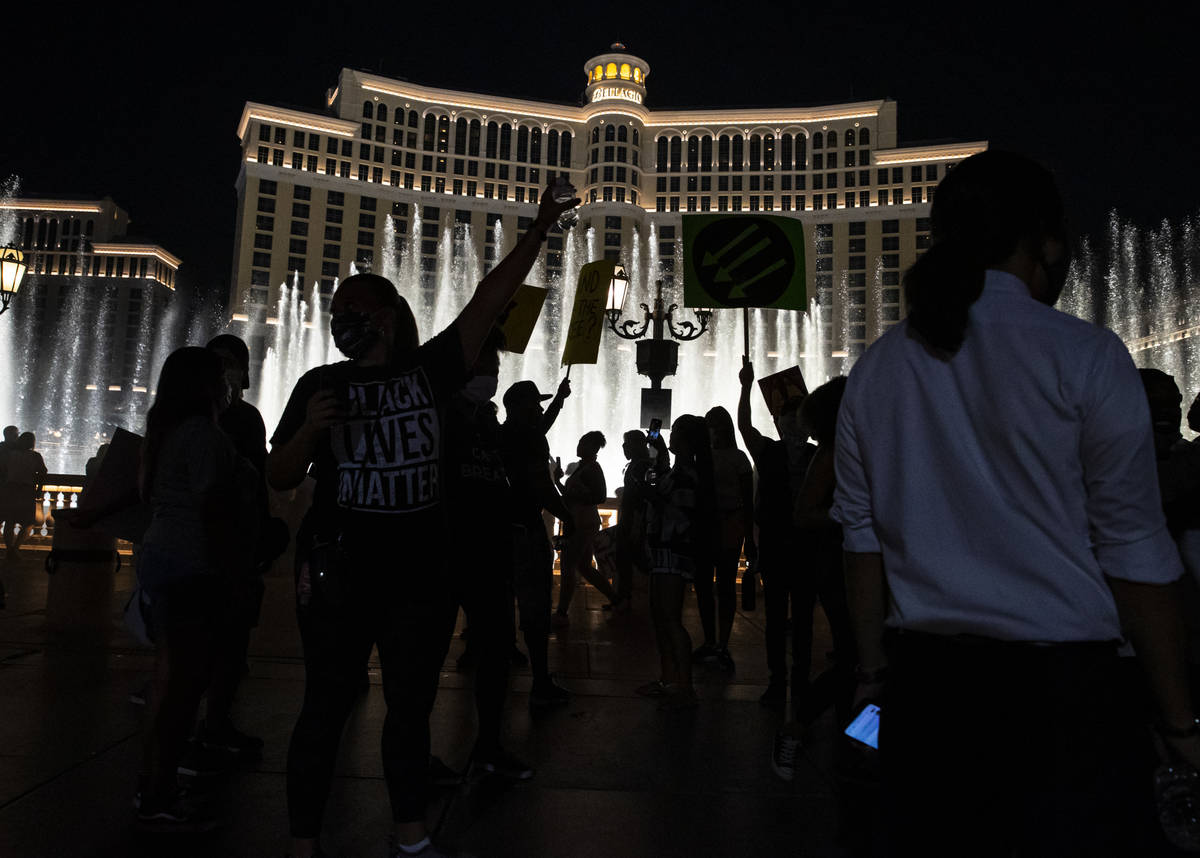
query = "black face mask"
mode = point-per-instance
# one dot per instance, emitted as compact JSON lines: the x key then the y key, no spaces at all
{"x":1056,"y":275}
{"x":352,"y":334}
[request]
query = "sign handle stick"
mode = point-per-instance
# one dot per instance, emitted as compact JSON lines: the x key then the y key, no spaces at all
{"x":746,"y":331}
{"x":568,"y":378}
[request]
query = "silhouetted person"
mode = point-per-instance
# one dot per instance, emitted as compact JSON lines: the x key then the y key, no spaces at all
{"x":244,"y":425}
{"x":584,"y":490}
{"x":683,"y":517}
{"x":631,"y":552}
{"x":1001,"y":517}
{"x":24,"y":473}
{"x":733,"y":479}
{"x":479,"y":497}
{"x":200,"y":493}
{"x":782,"y":559}
{"x":372,"y":552}
{"x":527,"y":461}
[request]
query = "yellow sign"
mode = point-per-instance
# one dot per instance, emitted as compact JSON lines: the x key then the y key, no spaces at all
{"x":520,"y":317}
{"x":587,"y":316}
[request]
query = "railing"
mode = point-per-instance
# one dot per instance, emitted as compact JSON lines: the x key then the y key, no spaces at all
{"x":60,"y":491}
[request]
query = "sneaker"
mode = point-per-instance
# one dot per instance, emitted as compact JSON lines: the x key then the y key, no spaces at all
{"x":725,"y":660}
{"x":441,"y":774}
{"x":784,"y":751}
{"x":201,"y":762}
{"x":501,"y":762}
{"x":657,"y":688}
{"x":705,"y":652}
{"x":548,"y":693}
{"x":230,"y":740}
{"x":517,"y":658}
{"x":180,"y":814}
{"x":775,"y":697}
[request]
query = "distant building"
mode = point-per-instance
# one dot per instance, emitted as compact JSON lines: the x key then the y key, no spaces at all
{"x":93,"y":302}
{"x":315,"y":188}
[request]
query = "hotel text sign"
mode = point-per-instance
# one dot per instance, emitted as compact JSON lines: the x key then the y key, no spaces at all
{"x":602,"y":93}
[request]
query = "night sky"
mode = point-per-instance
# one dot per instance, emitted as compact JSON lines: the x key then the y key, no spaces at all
{"x":143,"y":107}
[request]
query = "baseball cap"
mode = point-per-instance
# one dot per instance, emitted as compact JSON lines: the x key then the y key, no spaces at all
{"x":523,"y":391}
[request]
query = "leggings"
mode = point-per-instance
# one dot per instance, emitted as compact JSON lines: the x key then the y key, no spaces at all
{"x":410,"y":622}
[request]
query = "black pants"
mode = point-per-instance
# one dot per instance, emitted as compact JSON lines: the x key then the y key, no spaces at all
{"x":410,"y":622}
{"x":780,"y":567}
{"x":820,"y":574}
{"x":484,"y":590}
{"x":725,"y":569}
{"x":1000,"y":749}
{"x":533,"y":579}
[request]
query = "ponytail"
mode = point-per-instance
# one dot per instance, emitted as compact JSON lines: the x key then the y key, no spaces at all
{"x":983,"y":211}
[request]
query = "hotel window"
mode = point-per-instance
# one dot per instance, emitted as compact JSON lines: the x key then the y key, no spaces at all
{"x":262,"y":260}
{"x":364,"y":151}
{"x":737,"y":203}
{"x":737,"y":152}
{"x":706,"y":153}
{"x":608,"y":153}
{"x":819,"y":162}
{"x":397,"y":158}
{"x":864,"y":198}
{"x":264,"y":222}
{"x":519,"y":193}
{"x":831,"y":180}
{"x":660,"y":204}
{"x":311,"y":163}
{"x":915,"y":173}
{"x":365,"y":133}
{"x":397,"y":137}
{"x":430,"y":133}
{"x":674,"y":204}
{"x":691,"y":204}
{"x":280,"y":136}
{"x":693,"y":154}
{"x":608,"y":174}
{"x":676,"y":154}
{"x":785,"y":203}
{"x":380,"y":134}
{"x":753,"y":202}
{"x":266,"y":204}
{"x":608,"y":197}
{"x":755,"y":183}
{"x":552,"y":148}
{"x":897,"y":196}
{"x":891,"y":242}
{"x":502,"y":192}
{"x":300,"y":210}
{"x":916,"y":195}
{"x":523,"y":144}
{"x":505,"y":142}
{"x":298,"y":139}
{"x":296,"y":263}
{"x":297,"y":245}
{"x":897,"y":175}
{"x":264,"y":154}
{"x":931,"y":172}
{"x":612,"y":239}
{"x":891,"y":278}
{"x":378,"y":155}
{"x":363,"y":172}
{"x":535,"y":146}
{"x":366,"y":237}
{"x":412,"y":118}
{"x":849,"y":159}
{"x":264,"y":133}
{"x":263,"y":241}
{"x":818,"y":182}
{"x":818,"y":141}
{"x":410,"y":180}
{"x":755,"y":152}
{"x":864,"y":136}
{"x":297,"y":161}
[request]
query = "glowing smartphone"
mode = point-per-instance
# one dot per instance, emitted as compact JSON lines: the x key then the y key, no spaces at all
{"x":655,"y":429}
{"x":864,"y":729}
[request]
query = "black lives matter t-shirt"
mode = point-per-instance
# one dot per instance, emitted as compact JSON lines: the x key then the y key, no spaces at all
{"x":381,"y":469}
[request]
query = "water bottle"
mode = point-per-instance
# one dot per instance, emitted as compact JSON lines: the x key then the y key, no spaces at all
{"x":1177,"y":798}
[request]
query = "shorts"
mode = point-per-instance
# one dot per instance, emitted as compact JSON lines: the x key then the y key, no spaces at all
{"x":665,"y":561}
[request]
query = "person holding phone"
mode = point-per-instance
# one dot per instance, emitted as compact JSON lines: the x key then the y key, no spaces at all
{"x":372,"y":550}
{"x":1003,"y":531}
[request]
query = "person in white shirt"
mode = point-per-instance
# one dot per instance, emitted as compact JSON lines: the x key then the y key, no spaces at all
{"x":997,"y":492}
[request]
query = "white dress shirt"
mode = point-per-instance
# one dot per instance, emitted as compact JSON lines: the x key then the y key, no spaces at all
{"x":1003,"y":485}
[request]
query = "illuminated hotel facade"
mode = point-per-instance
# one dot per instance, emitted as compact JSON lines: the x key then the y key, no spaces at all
{"x":80,"y":256}
{"x":315,"y":188}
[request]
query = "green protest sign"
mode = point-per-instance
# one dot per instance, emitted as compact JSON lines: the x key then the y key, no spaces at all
{"x":744,"y":261}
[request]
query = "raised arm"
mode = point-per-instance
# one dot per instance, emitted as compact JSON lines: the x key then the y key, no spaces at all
{"x":752,"y":437}
{"x":555,"y":405}
{"x":498,"y":287}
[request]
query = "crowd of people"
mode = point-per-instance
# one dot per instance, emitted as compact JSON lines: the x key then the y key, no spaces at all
{"x":978,"y":509}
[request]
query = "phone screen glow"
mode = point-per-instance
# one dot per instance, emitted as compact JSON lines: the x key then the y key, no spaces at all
{"x":865,"y":728}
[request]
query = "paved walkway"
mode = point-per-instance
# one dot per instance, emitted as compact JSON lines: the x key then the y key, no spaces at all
{"x":615,"y":776}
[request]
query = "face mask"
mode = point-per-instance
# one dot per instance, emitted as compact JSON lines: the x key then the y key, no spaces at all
{"x":481,"y":388}
{"x":352,"y":334}
{"x":1056,"y":275}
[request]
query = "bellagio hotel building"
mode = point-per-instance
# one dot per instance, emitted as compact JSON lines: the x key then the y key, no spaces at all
{"x":315,"y":188}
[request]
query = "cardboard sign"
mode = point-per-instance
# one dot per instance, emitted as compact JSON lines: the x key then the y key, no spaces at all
{"x":587,"y":315}
{"x":782,"y":386}
{"x":744,"y":261}
{"x":520,"y":317}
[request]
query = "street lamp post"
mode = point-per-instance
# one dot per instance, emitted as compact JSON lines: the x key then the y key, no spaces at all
{"x":657,"y":357}
{"x":12,"y":272}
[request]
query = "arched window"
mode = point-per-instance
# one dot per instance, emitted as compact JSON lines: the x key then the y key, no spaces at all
{"x":662,"y":154}
{"x":785,"y":152}
{"x":596,"y":134}
{"x":831,"y":140}
{"x":706,"y":153}
{"x":460,"y":136}
{"x":505,"y":142}
{"x":552,"y":148}
{"x":430,"y":132}
{"x":473,"y":141}
{"x":443,"y":142}
{"x":522,"y":143}
{"x":622,"y":134}
{"x":737,"y":151}
{"x":368,"y":110}
{"x":493,"y":134}
{"x":849,"y":136}
{"x":412,"y":119}
{"x":818,"y":141}
{"x":398,"y":116}
{"x":610,"y":71}
{"x":769,"y":152}
{"x":676,"y":153}
{"x":693,"y":150}
{"x":755,"y":152}
{"x":610,"y":133}
{"x":564,"y":150}
{"x":598,"y":73}
{"x":636,"y":141}
{"x":637,"y":75}
{"x":626,"y":71}
{"x":723,"y":152}
{"x":381,"y":113}
{"x":864,"y":137}
{"x":535,"y":146}
{"x":801,"y":152}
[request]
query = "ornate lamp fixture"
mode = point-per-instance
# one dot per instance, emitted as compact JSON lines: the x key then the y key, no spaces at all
{"x":12,"y":272}
{"x":663,"y":321}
